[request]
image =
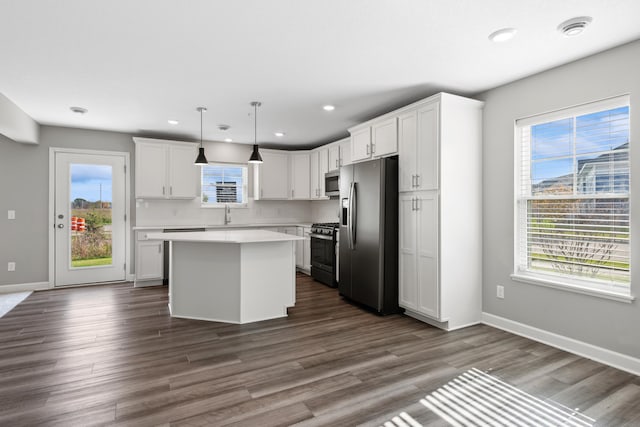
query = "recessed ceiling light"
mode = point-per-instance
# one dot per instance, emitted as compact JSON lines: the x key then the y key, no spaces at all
{"x":172,"y":122}
{"x":79,"y":110}
{"x":328,"y":108}
{"x":574,"y":26}
{"x":502,"y":35}
{"x":279,"y":134}
{"x":228,"y":140}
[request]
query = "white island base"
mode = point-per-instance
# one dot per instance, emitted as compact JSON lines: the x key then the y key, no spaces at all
{"x":233,"y":277}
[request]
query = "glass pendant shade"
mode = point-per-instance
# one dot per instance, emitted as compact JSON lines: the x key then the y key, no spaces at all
{"x":255,"y":155}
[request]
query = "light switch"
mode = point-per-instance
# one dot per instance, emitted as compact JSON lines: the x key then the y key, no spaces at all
{"x":11,"y":214}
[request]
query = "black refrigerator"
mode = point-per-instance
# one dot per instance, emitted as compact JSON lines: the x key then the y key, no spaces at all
{"x":369,"y":234}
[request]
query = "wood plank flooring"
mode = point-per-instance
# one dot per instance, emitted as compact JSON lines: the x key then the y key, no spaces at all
{"x":111,"y":355}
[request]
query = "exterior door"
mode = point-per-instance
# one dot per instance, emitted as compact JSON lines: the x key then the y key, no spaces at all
{"x":90,"y":224}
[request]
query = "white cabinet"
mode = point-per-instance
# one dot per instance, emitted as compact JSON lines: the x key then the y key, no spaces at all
{"x":319,"y":159}
{"x":184,"y":175}
{"x":271,"y":178}
{"x":334,"y":157}
{"x":384,"y":137}
{"x":418,"y":148}
{"x":165,"y":170}
{"x":149,"y":260}
{"x":300,"y":176}
{"x":418,"y":251}
{"x":378,"y":138}
{"x":339,"y":154}
{"x":440,"y":212}
{"x":361,"y":144}
{"x":345,"y":152}
{"x":303,"y":250}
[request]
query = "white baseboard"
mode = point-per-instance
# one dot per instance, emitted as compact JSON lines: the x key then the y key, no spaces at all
{"x":23,"y":287}
{"x":590,"y":351}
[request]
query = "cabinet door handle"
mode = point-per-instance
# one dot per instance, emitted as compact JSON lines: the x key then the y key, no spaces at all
{"x":261,"y":192}
{"x":413,"y":204}
{"x":336,"y":162}
{"x":163,"y":190}
{"x":171,"y":190}
{"x":413,"y":181}
{"x":368,"y":149}
{"x":291,"y":193}
{"x":417,"y":181}
{"x":417,"y":204}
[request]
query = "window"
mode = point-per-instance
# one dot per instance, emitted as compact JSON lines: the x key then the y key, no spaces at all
{"x":572,"y":196}
{"x":224,"y":184}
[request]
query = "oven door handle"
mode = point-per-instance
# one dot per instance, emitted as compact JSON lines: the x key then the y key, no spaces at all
{"x":321,"y":236}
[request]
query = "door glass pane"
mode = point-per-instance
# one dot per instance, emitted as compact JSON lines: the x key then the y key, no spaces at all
{"x":90,"y":222}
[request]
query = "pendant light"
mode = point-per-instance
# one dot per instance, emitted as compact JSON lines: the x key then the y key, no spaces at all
{"x":201,"y":159}
{"x":255,"y":155}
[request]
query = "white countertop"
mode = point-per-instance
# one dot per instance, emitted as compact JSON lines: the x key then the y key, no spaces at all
{"x":225,"y":236}
{"x":218,"y":226}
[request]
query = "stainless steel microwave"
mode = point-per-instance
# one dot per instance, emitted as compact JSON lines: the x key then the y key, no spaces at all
{"x":332,"y":184}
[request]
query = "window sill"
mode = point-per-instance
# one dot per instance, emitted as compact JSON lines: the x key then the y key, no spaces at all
{"x":535,"y":280}
{"x":222,"y":206}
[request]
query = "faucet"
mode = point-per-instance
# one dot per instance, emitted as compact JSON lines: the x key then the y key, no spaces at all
{"x":227,"y":215}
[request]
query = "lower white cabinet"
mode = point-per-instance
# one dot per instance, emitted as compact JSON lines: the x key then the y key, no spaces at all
{"x":418,"y":251}
{"x":440,"y":255}
{"x":149,"y":261}
{"x":305,"y":246}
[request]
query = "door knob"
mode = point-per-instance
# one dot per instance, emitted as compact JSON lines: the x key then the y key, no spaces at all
{"x":60,"y":225}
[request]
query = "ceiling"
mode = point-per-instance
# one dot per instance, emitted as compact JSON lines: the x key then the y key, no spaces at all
{"x":136,"y":64}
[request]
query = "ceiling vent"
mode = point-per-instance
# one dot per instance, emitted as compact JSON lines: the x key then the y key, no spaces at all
{"x":574,"y":26}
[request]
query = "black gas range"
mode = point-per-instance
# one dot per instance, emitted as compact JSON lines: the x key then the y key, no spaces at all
{"x":324,"y":253}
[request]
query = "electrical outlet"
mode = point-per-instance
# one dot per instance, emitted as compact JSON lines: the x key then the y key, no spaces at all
{"x":11,"y":266}
{"x":500,"y":292}
{"x":11,"y":214}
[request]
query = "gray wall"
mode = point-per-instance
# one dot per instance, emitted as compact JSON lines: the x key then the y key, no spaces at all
{"x":24,"y":187}
{"x":609,"y":324}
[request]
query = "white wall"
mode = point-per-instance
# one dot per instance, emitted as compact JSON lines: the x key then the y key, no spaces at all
{"x":605,"y":323}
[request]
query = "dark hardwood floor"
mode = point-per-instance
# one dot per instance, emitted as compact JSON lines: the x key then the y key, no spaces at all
{"x":112,"y":355}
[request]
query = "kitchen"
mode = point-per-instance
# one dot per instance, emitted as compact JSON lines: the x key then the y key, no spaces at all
{"x":356,"y":361}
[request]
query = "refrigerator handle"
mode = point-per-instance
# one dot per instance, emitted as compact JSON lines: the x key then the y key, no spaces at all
{"x":353,"y":213}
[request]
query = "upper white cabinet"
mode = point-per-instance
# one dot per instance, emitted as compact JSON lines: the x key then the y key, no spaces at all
{"x":271,"y":178}
{"x":360,"y":143}
{"x":440,"y":212}
{"x":165,"y":170}
{"x":339,"y":154}
{"x":377,"y":138}
{"x":384,"y":137}
{"x":334,"y":157}
{"x":300,"y":175}
{"x":345,"y":152}
{"x":418,"y":148}
{"x":319,"y":159}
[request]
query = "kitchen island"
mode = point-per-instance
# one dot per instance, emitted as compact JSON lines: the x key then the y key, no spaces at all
{"x":233,"y":276}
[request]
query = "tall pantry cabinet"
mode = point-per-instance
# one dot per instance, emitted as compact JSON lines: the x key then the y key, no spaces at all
{"x":440,"y":210}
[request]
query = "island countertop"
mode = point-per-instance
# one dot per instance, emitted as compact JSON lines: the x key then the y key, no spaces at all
{"x":225,"y":236}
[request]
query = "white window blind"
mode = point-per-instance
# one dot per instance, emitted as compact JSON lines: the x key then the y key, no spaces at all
{"x":573,"y":196}
{"x":224,"y":184}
